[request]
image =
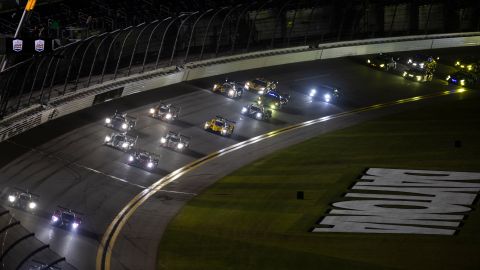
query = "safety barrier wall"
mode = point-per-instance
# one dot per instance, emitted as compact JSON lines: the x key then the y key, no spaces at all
{"x":27,"y":119}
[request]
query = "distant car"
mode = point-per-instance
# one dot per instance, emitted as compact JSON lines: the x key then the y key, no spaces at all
{"x":462,"y":78}
{"x":37,"y":265}
{"x":121,"y":122}
{"x":22,"y":199}
{"x":382,"y":61}
{"x":220,"y":125}
{"x":418,"y":75}
{"x":229,"y":88}
{"x":423,"y":62}
{"x":165,"y":112}
{"x":260,"y":85}
{"x":256,"y":111}
{"x":66,"y":218}
{"x":120,"y":141}
{"x":273,"y":100}
{"x":143,"y":159}
{"x":468,"y":64}
{"x":175,"y":141}
{"x":324,"y":93}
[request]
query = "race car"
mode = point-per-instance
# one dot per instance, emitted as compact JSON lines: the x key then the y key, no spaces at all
{"x":165,"y":112}
{"x":273,"y":99}
{"x":468,"y":64}
{"x":220,"y":125}
{"x":22,"y":199}
{"x":37,"y":265}
{"x":66,"y":218}
{"x":256,"y":111}
{"x":120,"y":141}
{"x":175,"y":140}
{"x":143,"y":160}
{"x":260,"y":85}
{"x":229,"y":89}
{"x":423,"y":62}
{"x":382,"y":61}
{"x":324,"y":93}
{"x":418,"y":75}
{"x":121,"y":122}
{"x":462,"y":78}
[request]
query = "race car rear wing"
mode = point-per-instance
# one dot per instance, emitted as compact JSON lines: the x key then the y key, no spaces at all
{"x":26,"y":192}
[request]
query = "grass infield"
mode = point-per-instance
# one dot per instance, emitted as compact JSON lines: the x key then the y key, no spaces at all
{"x":252,"y":220}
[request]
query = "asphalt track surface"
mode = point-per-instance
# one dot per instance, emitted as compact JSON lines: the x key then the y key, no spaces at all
{"x":65,"y":162}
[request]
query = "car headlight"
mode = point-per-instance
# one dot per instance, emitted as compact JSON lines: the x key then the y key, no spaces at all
{"x":462,"y":82}
{"x":327,"y":97}
{"x":152,"y":110}
{"x":409,"y":61}
{"x":259,"y":101}
{"x":457,"y":63}
{"x":224,"y":131}
{"x":130,"y":158}
{"x":313,"y":92}
{"x":168,"y":116}
{"x":231,"y":93}
{"x":163,"y":140}
{"x":32,"y":205}
{"x":419,"y":78}
{"x":422,"y":65}
{"x":382,"y":65}
{"x":261,"y":92}
{"x":107,"y":138}
{"x":150,"y":164}
{"x":247,"y":86}
{"x":404,"y":74}
{"x":54,"y":218}
{"x":180,"y":146}
{"x":273,"y":106}
{"x":11,"y":198}
{"x":448,"y":78}
{"x":368,"y":61}
{"x":75,"y":225}
{"x":215,"y":86}
{"x":125,"y":144}
{"x":244,"y":110}
{"x":108,"y":120}
{"x":259,"y":115}
{"x":206,"y":125}
{"x":415,"y":64}
{"x":124,"y":126}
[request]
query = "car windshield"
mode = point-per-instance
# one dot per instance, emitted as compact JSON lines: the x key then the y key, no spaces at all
{"x":118,"y":117}
{"x":174,"y":138}
{"x":259,"y":82}
{"x":219,"y":123}
{"x":255,"y":108}
{"x":383,"y":57}
{"x":24,"y":197}
{"x":118,"y":138}
{"x":143,"y":157}
{"x":164,"y":109}
{"x":67,"y":216}
{"x":273,"y":94}
{"x":416,"y":72}
{"x":462,"y":75}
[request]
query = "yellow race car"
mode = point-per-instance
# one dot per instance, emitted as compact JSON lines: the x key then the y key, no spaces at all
{"x":220,"y":125}
{"x":260,"y":85}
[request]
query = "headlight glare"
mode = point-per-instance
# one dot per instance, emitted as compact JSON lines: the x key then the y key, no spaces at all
{"x":108,"y":120}
{"x":180,"y":146}
{"x":11,"y":198}
{"x":163,"y":140}
{"x":152,"y":110}
{"x":168,"y":116}
{"x":125,"y":144}
{"x":32,"y":205}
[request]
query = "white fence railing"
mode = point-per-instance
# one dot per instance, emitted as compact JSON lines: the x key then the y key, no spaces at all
{"x":84,"y":98}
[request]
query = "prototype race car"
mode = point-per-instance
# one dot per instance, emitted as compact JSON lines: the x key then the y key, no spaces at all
{"x":143,"y":160}
{"x":325,"y":93}
{"x":23,"y":199}
{"x":175,"y":140}
{"x":468,"y":64}
{"x":462,"y":78}
{"x":120,"y":141}
{"x":121,"y":122}
{"x":165,"y":112}
{"x":66,"y":218}
{"x":229,"y":89}
{"x":273,"y":99}
{"x":260,"y":85}
{"x":382,"y":61}
{"x":256,"y":111}
{"x":418,"y":75}
{"x":423,"y":62}
{"x":220,"y":125}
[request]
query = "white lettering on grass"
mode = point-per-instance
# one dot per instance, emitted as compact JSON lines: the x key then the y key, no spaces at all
{"x":404,"y":202}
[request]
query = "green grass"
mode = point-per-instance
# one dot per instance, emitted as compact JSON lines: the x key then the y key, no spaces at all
{"x":252,"y":220}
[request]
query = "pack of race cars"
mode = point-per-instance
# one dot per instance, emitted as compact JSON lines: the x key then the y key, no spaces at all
{"x":421,"y":68}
